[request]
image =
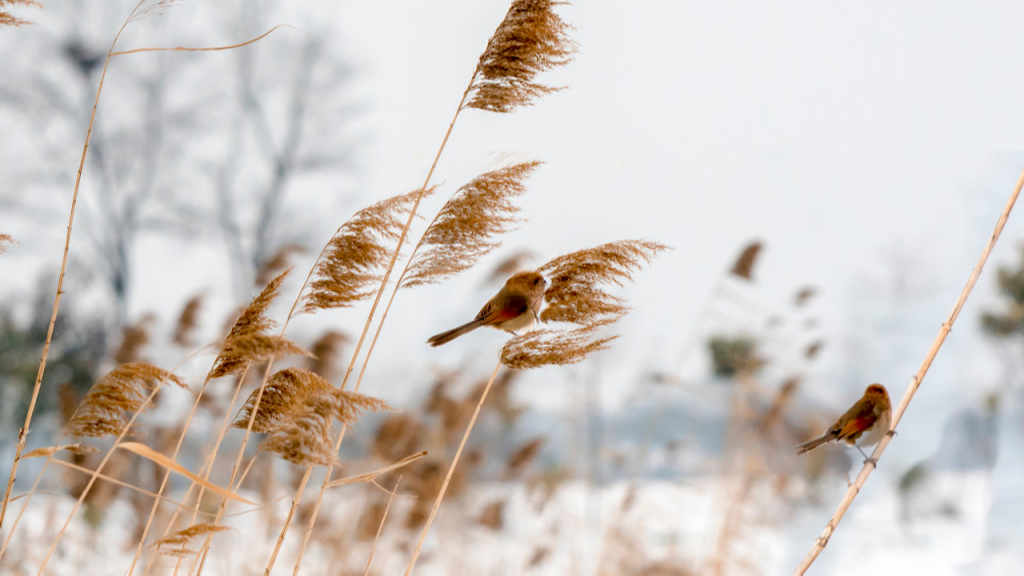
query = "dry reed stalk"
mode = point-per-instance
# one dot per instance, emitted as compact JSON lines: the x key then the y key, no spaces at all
{"x":451,"y":470}
{"x":23,"y":431}
{"x":380,"y":528}
{"x":915,"y":383}
{"x":6,"y":19}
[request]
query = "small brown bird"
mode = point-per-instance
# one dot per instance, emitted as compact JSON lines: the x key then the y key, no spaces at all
{"x":514,"y":307}
{"x":867,"y":421}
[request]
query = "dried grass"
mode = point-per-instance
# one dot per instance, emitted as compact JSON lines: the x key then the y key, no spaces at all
{"x":5,"y":239}
{"x":285,"y":391}
{"x":531,"y":39}
{"x":122,"y":391}
{"x":305,"y":438}
{"x":354,"y":260}
{"x":252,"y":321}
{"x":468,"y":226}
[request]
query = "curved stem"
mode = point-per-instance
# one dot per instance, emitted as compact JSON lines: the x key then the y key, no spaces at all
{"x":915,"y":383}
{"x":23,"y":432}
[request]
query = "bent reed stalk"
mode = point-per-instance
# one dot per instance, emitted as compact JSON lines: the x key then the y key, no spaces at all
{"x":915,"y":383}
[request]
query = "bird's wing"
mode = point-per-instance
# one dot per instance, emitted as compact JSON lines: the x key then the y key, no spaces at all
{"x":491,"y":314}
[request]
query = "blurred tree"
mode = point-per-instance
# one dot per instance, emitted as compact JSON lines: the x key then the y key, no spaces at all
{"x":191,"y":145}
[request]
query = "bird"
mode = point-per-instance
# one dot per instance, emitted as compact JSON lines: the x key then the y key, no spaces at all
{"x":864,"y":423}
{"x":515,"y":307}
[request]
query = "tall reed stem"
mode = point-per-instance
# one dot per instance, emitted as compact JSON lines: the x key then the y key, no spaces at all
{"x":451,"y":471}
{"x":915,"y":383}
{"x":23,"y":432}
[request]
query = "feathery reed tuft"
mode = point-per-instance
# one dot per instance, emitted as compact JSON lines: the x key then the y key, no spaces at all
{"x":744,"y":266}
{"x":469,"y":224}
{"x":547,"y":347}
{"x":353,"y":261}
{"x":305,"y":438}
{"x":5,"y":239}
{"x":252,"y":321}
{"x":259,"y":347}
{"x":278,"y":262}
{"x":531,"y":39}
{"x":173,"y":544}
{"x":576,"y":296}
{"x":326,"y":350}
{"x":123,"y":390}
{"x":284,"y":392}
{"x":6,"y":19}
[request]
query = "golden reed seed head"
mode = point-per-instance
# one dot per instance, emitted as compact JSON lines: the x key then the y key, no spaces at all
{"x":531,"y":39}
{"x":469,"y":225}
{"x":252,"y":321}
{"x":104,"y":410}
{"x":357,"y":255}
{"x":305,"y":438}
{"x":578,"y":296}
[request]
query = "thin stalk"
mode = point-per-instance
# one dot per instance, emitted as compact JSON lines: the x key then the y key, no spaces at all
{"x":94,"y":475}
{"x":255,"y":409}
{"x":915,"y":383}
{"x":380,"y":528}
{"x":23,"y":431}
{"x":451,"y":470}
{"x":174,"y":456}
{"x":362,"y":336}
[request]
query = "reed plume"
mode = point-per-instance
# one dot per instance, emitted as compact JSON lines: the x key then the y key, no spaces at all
{"x":251,"y":322}
{"x":123,"y":390}
{"x":356,"y":256}
{"x":468,"y":226}
{"x":578,"y":298}
{"x":531,"y":39}
{"x":6,"y":19}
{"x":5,"y":239}
{"x":285,"y":390}
{"x":305,"y":438}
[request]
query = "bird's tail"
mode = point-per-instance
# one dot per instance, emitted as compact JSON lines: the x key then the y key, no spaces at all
{"x":448,"y":336}
{"x":812,"y":444}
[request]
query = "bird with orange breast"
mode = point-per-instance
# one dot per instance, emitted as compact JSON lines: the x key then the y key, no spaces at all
{"x":864,"y":424}
{"x":515,"y":307}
